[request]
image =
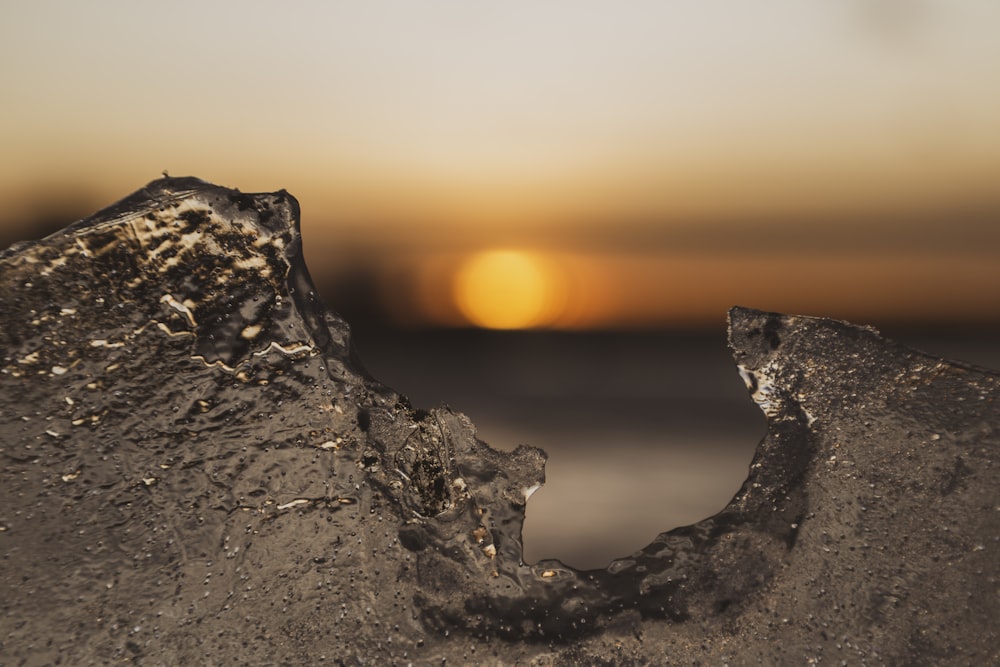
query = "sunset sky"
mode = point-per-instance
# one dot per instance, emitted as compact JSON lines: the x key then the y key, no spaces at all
{"x":638,"y":164}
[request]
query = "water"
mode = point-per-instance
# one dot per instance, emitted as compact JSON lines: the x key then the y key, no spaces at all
{"x":655,"y":427}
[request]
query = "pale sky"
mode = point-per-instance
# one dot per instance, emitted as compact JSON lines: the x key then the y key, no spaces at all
{"x":425,"y":124}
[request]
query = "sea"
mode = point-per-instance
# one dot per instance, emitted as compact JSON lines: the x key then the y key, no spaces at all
{"x":644,"y":431}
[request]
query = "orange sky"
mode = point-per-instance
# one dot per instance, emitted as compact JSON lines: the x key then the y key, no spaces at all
{"x":642,"y":145}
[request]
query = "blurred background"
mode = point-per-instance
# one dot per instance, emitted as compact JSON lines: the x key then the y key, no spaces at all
{"x":539,"y":212}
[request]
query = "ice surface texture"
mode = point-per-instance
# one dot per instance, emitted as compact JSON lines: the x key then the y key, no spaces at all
{"x":196,"y":470}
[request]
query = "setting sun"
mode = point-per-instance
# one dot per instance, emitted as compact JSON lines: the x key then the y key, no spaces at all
{"x":507,"y":289}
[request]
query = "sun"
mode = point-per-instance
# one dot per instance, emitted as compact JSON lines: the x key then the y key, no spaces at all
{"x":507,"y":289}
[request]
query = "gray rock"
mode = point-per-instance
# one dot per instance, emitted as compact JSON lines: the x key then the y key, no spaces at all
{"x":197,"y":470}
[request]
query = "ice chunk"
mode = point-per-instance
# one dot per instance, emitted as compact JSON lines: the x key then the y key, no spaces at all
{"x":228,"y":482}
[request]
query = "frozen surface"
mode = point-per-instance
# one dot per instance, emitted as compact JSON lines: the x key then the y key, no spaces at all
{"x":196,"y":470}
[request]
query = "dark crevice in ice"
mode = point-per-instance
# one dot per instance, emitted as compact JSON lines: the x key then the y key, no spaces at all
{"x":195,"y":464}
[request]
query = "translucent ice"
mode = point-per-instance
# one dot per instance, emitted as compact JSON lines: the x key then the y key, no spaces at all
{"x":195,"y":468}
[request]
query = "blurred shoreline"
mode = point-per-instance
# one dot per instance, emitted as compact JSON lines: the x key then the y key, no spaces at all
{"x":645,"y":432}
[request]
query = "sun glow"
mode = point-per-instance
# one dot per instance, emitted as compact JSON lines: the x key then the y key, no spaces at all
{"x":508,"y":289}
